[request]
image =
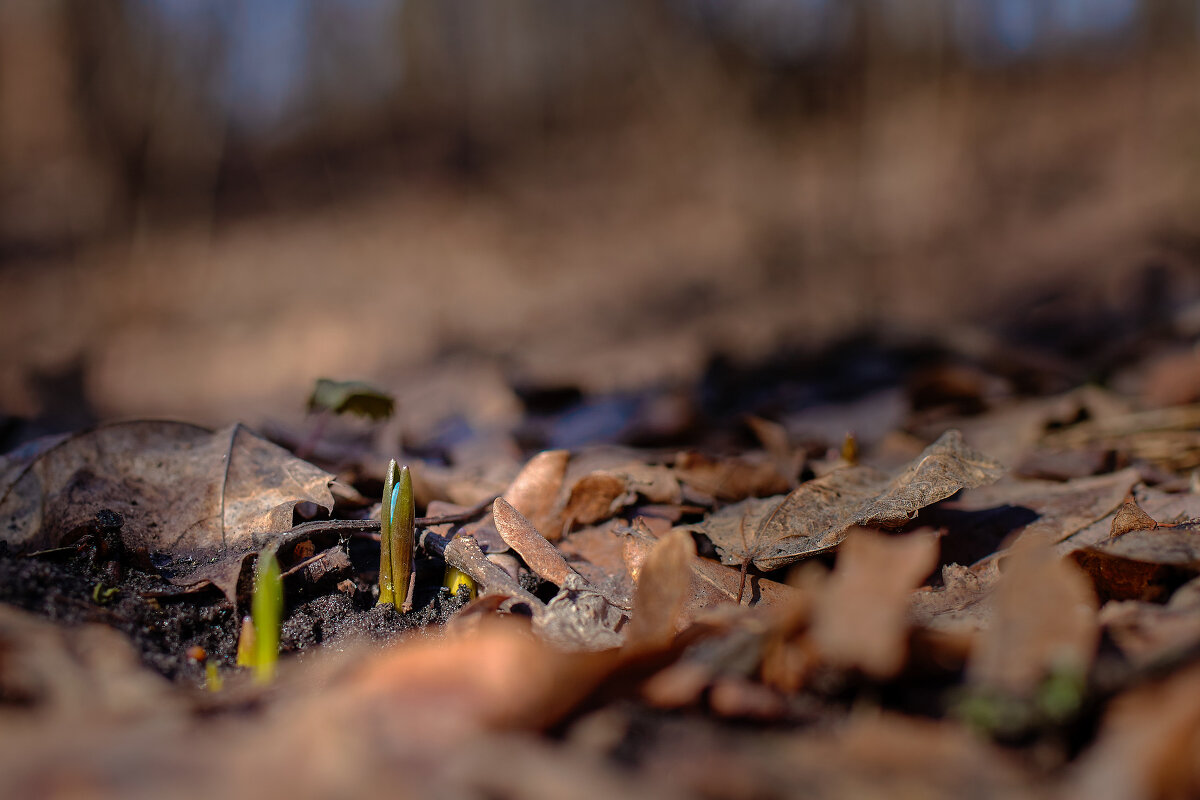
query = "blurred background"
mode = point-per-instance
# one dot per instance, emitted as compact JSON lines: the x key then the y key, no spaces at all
{"x":481,"y":206}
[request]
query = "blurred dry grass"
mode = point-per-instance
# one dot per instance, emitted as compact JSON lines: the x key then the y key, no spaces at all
{"x":610,"y":227}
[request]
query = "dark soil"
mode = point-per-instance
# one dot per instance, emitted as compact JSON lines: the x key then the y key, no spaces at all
{"x":178,"y":632}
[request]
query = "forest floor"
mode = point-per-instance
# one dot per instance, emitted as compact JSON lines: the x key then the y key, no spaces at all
{"x":810,"y":487}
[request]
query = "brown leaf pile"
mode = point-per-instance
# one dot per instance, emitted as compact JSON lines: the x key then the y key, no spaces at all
{"x":951,"y":630}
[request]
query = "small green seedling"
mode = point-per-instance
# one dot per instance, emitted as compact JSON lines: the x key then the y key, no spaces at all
{"x":266,"y":610}
{"x":397,"y":531}
{"x":101,"y":595}
{"x":456,"y":578}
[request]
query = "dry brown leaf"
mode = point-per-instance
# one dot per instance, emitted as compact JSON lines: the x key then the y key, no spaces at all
{"x":541,"y":556}
{"x":1141,"y":564}
{"x":1044,"y":621}
{"x":712,"y":584}
{"x":595,"y":497}
{"x":495,"y":676}
{"x":815,"y":516}
{"x":1146,"y":632}
{"x":78,"y":675}
{"x":205,"y":499}
{"x":663,"y":587}
{"x":732,"y":478}
{"x":535,"y":491}
{"x":463,"y":554}
{"x":1131,"y":517}
{"x":1148,"y":746}
{"x":861,"y":617}
{"x":775,"y":440}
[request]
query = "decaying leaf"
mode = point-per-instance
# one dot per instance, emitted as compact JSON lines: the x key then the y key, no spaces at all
{"x":595,"y":497}
{"x":203,"y":499}
{"x":861,"y":617}
{"x":662,"y":589}
{"x":580,"y":618}
{"x":1141,"y":564}
{"x":731,"y":478}
{"x":815,"y":516}
{"x":1149,"y":744}
{"x":535,"y":490}
{"x":1044,"y":622}
{"x":1131,"y":517}
{"x":1149,"y":632}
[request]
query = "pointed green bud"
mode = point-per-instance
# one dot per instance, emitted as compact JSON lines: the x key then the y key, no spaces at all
{"x":403,"y":533}
{"x":266,"y":609}
{"x":387,"y":592}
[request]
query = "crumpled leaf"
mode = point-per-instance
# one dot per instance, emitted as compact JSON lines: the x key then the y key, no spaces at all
{"x":579,"y":618}
{"x":204,"y":499}
{"x":814,"y":518}
{"x":1131,"y":517}
{"x":861,"y":617}
{"x":353,"y":397}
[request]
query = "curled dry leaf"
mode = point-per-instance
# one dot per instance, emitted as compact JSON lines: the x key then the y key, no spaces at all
{"x":1044,"y":622}
{"x":663,"y":587}
{"x":204,"y":499}
{"x":535,"y":490}
{"x":541,"y":556}
{"x":814,"y":518}
{"x":861,"y":617}
{"x":1131,"y":517}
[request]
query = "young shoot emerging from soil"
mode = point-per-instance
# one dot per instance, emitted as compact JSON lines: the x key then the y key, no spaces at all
{"x":266,"y":611}
{"x":396,"y":528}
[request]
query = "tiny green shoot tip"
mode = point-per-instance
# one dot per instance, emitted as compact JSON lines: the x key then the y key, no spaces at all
{"x":266,"y":610}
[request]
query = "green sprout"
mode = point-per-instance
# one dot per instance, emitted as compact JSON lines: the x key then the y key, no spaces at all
{"x":396,"y":529}
{"x":456,"y":578}
{"x":101,"y":595}
{"x":212,"y":678}
{"x":266,"y":610}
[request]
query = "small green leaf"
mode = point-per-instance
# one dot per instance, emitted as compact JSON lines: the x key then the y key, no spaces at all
{"x":353,"y":397}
